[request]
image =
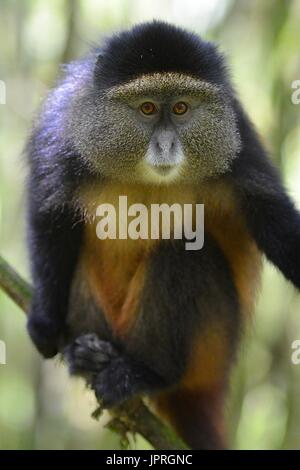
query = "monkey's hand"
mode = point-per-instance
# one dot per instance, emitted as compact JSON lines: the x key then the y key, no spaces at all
{"x":46,"y":334}
{"x":112,"y":375}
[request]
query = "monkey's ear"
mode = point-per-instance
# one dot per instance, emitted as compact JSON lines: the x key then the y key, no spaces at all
{"x":99,"y":59}
{"x":99,"y":73}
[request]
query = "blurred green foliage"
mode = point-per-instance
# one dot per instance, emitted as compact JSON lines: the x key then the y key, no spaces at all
{"x":40,"y":407}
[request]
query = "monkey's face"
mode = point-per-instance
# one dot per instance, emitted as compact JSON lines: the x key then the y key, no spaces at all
{"x":160,"y":128}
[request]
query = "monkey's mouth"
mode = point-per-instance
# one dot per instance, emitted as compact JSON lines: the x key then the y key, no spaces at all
{"x":164,"y":170}
{"x":161,"y":174}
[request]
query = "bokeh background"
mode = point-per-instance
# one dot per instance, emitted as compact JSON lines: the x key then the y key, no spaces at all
{"x":40,"y":407}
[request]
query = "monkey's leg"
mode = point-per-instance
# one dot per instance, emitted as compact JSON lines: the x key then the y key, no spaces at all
{"x":54,"y":245}
{"x":185,"y":293}
{"x":112,"y":374}
{"x":196,"y":415}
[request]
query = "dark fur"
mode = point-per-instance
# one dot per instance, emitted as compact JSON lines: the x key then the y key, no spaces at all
{"x":271,"y":215}
{"x":157,"y":47}
{"x":182,"y":288}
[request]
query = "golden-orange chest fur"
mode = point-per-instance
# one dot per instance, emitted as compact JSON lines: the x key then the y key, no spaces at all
{"x":116,"y":268}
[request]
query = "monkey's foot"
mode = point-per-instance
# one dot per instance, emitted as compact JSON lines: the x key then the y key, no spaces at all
{"x":113,"y":377}
{"x":88,"y":355}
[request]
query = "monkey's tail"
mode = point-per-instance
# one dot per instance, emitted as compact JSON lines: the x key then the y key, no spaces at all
{"x":196,"y":416}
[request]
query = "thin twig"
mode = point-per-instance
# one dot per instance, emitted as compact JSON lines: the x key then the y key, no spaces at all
{"x":14,"y":285}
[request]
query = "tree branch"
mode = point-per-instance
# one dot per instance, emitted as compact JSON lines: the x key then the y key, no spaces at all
{"x":132,"y":416}
{"x":14,"y":285}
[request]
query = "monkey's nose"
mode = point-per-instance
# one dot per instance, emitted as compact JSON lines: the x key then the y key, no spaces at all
{"x":165,"y":142}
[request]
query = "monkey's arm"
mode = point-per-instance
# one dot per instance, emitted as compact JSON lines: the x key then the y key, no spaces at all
{"x":54,"y":234}
{"x":271,"y":215}
{"x":54,"y":244}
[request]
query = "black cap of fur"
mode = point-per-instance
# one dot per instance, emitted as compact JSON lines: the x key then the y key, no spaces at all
{"x":157,"y":47}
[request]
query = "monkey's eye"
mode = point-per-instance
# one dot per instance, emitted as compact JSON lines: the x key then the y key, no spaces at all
{"x":148,"y":108}
{"x":180,"y":108}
